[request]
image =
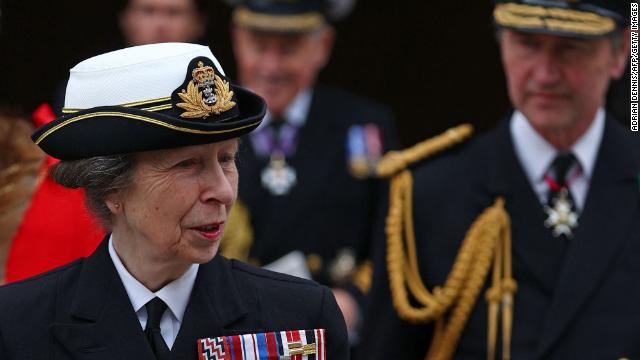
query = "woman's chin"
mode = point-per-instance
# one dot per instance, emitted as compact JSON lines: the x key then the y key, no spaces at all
{"x":203,"y":255}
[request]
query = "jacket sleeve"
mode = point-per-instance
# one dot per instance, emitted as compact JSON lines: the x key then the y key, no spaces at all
{"x":335,"y":329}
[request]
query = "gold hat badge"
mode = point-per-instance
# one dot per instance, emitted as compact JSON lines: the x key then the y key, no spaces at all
{"x":201,"y":99}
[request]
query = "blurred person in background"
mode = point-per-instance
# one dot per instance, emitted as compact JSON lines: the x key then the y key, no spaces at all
{"x":19,"y":165}
{"x":523,"y":242}
{"x":306,"y":191}
{"x":156,"y":21}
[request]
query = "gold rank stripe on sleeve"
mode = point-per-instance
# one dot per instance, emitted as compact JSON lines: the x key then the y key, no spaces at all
{"x":162,"y":103}
{"x":553,"y":19}
{"x":138,"y":118}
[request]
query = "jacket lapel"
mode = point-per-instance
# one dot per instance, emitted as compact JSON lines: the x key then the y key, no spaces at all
{"x":215,"y":305}
{"x":313,"y":157}
{"x":532,"y":241}
{"x":610,"y":215}
{"x":104,"y":325}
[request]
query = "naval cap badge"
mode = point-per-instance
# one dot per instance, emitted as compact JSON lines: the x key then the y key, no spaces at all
{"x":206,"y":94}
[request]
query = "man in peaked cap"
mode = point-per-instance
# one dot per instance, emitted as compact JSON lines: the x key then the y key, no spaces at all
{"x":306,"y":172}
{"x":548,"y":205}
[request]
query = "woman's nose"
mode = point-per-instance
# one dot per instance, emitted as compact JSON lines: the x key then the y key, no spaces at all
{"x":218,"y":186}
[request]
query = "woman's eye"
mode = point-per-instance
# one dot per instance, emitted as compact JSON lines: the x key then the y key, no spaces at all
{"x":186,"y":163}
{"x":228,"y":159}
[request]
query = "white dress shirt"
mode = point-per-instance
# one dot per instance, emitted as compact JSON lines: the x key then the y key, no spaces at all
{"x":536,"y":155}
{"x":295,"y":113}
{"x":175,"y":294}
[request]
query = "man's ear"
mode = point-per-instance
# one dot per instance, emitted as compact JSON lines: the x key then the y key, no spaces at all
{"x":327,"y":39}
{"x":621,"y":55}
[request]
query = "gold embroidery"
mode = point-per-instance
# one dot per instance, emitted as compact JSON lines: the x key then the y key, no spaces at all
{"x":296,"y":348}
{"x":198,"y":107}
{"x":538,"y":17}
{"x":242,"y":16}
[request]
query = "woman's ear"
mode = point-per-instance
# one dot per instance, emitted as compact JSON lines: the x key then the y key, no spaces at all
{"x":113,"y":203}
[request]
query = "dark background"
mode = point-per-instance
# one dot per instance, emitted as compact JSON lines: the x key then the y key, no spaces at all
{"x":435,"y":63}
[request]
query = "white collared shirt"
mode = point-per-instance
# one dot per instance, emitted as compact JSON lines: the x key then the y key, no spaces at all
{"x":296,"y":112}
{"x":536,"y":155}
{"x":175,"y":294}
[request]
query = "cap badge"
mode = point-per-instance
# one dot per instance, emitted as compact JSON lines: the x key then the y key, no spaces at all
{"x":200,"y":98}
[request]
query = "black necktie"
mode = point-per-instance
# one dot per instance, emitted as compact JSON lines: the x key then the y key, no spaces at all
{"x":559,"y":168}
{"x":561,"y":208}
{"x":155,"y":308}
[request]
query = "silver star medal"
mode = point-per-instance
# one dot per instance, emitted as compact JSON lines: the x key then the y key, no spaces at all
{"x":560,"y":217}
{"x":278,"y":177}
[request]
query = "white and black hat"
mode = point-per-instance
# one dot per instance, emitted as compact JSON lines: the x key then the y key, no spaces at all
{"x":148,"y":97}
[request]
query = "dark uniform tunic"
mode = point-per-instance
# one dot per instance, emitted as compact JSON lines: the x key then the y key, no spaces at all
{"x":578,"y":305}
{"x":82,"y":311}
{"x":328,"y":210}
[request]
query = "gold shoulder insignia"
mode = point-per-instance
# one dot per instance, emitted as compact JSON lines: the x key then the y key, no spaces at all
{"x":395,"y":161}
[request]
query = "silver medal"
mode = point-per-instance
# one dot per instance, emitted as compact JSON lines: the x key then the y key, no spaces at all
{"x":278,"y":177}
{"x":560,"y":218}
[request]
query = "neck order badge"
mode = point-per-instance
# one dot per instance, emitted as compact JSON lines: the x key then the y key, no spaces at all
{"x":278,"y":141}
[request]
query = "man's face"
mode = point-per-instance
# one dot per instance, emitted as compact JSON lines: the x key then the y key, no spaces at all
{"x":156,"y":21}
{"x":558,"y":82}
{"x":276,"y":66}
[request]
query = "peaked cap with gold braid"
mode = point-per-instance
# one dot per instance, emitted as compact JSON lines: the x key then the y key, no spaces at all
{"x":572,"y":18}
{"x":487,"y":240}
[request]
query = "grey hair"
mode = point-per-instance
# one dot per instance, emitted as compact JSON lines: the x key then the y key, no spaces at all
{"x":99,"y":176}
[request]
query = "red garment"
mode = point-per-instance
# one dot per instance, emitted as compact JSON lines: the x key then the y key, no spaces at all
{"x":55,"y":229}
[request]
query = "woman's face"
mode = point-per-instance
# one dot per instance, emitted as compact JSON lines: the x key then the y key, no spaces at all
{"x":176,"y":208}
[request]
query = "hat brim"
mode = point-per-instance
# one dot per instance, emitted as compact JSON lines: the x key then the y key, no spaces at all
{"x":111,"y":130}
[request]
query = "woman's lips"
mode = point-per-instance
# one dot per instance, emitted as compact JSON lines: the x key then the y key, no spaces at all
{"x":211,"y":231}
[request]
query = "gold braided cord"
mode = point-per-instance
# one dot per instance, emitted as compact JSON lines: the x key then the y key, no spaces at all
{"x":395,"y":161}
{"x":508,"y":288}
{"x":451,"y":304}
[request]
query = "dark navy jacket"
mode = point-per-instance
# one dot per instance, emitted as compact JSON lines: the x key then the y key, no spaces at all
{"x":578,"y":302}
{"x":82,"y":311}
